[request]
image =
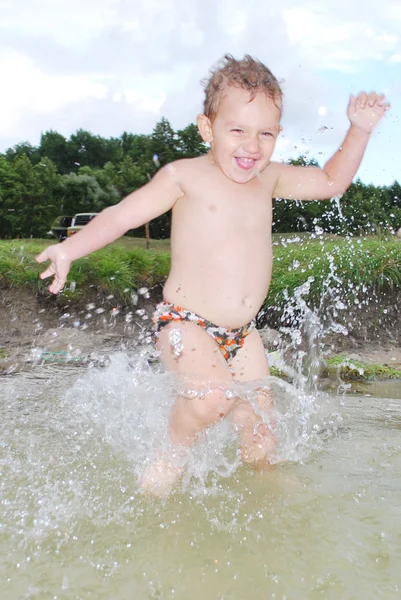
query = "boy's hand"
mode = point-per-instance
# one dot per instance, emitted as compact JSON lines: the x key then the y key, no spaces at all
{"x":60,"y":266}
{"x":365,"y":111}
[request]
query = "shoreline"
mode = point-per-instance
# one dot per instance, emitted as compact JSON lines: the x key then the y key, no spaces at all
{"x":71,"y":330}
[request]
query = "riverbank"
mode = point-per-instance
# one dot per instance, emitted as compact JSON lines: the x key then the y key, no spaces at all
{"x":353,"y":287}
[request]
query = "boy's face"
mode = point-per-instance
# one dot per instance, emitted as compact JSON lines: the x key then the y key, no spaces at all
{"x":243,"y":133}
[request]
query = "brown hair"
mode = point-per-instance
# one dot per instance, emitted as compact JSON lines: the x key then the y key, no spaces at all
{"x":249,"y":74}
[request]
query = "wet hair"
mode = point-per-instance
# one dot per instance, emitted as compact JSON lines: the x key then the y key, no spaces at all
{"x":248,"y":74}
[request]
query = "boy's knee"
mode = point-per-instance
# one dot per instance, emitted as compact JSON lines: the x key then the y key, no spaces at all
{"x":212,"y":405}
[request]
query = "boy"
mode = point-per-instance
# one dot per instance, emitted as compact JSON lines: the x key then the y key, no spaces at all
{"x":221,"y":249}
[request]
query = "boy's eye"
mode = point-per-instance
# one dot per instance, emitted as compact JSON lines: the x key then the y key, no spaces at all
{"x":267,"y":133}
{"x":237,"y":130}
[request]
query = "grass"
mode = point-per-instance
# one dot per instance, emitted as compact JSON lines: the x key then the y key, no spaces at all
{"x":120,"y":268}
{"x":347,"y":265}
{"x":350,"y":369}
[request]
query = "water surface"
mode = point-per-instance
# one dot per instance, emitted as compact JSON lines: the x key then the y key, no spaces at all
{"x":73,"y":525}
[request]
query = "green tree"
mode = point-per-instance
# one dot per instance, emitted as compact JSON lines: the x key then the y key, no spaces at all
{"x":82,"y":193}
{"x":48,"y":203}
{"x":190,"y":143}
{"x":87,"y":149}
{"x":164,"y":142}
{"x":7,"y":188}
{"x":23,"y":149}
{"x":55,"y":146}
{"x":22,"y":200}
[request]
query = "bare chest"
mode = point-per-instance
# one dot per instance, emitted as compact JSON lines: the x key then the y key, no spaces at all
{"x":246,"y":209}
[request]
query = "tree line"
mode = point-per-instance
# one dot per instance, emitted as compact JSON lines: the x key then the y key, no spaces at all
{"x":86,"y":173}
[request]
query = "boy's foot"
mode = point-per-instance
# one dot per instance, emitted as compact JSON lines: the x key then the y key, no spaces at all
{"x":258,"y":445}
{"x":159,"y":477}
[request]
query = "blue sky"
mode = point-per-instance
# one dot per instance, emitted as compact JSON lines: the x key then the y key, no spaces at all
{"x":120,"y":65}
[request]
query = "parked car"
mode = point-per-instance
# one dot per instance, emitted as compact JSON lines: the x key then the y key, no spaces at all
{"x":79,"y":221}
{"x":60,"y":227}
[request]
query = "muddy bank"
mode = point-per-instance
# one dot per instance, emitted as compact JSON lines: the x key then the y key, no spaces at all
{"x":32,"y":322}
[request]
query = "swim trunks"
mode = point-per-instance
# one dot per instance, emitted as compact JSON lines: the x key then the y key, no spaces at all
{"x":229,"y":340}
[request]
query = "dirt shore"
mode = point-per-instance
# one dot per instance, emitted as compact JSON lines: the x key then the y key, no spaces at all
{"x":30,"y":321}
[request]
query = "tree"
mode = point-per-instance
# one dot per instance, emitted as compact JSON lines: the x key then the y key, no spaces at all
{"x":82,"y":193}
{"x":23,"y":149}
{"x":7,"y":187}
{"x":164,"y":142}
{"x":48,"y":199}
{"x":22,"y":200}
{"x":54,"y":146}
{"x":87,"y":149}
{"x":190,"y":143}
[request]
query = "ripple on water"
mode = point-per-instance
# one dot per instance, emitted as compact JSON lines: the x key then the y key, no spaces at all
{"x":74,"y":525}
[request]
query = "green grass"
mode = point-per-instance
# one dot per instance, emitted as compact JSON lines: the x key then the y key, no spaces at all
{"x":355,"y":265}
{"x":119,"y":268}
{"x":349,"y":265}
{"x":350,"y":369}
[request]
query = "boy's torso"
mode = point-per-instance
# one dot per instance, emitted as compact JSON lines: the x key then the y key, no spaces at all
{"x":220,"y":243}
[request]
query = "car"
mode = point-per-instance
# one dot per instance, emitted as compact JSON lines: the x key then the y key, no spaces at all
{"x":60,"y":227}
{"x":79,"y":221}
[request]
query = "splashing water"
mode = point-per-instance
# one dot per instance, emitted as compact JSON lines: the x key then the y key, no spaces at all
{"x":74,"y":443}
{"x":74,"y":524}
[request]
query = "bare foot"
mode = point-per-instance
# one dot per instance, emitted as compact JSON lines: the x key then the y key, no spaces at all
{"x":258,"y":445}
{"x":159,"y":477}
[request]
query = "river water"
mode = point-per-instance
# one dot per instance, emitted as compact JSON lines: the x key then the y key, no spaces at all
{"x":73,"y":524}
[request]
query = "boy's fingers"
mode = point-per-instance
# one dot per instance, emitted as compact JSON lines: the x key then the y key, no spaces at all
{"x":56,"y":286}
{"x":372,"y":98}
{"x":42,"y":256}
{"x":48,"y":272}
{"x":362,"y":99}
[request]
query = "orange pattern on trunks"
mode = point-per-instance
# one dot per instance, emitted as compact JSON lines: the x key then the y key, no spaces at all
{"x":228,"y":340}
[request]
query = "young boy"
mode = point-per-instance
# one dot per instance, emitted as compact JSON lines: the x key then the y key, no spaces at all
{"x":221,"y":249}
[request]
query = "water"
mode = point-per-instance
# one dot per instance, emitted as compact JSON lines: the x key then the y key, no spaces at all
{"x":74,"y":525}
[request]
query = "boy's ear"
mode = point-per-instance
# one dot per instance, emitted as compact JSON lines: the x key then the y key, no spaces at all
{"x":205,"y":128}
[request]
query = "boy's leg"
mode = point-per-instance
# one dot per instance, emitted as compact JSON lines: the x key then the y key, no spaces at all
{"x":200,"y":365}
{"x":250,"y":363}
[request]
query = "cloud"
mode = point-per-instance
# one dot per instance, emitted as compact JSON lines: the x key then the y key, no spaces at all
{"x":115,"y":65}
{"x":333,"y":42}
{"x":29,"y":88}
{"x":71,"y":22}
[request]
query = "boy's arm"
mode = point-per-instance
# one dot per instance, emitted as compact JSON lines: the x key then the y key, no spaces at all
{"x":138,"y":208}
{"x":313,"y":183}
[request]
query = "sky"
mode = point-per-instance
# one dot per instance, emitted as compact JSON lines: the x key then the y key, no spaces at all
{"x":111,"y":66}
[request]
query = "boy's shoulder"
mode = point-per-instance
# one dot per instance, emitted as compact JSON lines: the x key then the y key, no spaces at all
{"x":188,"y":167}
{"x":183,"y":164}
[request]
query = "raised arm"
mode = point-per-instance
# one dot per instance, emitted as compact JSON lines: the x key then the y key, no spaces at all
{"x":138,"y":208}
{"x":313,"y":183}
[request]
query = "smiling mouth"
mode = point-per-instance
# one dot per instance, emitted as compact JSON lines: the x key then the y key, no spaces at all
{"x":245,"y":163}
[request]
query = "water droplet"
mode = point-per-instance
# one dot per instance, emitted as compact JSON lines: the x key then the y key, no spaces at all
{"x":175,"y":340}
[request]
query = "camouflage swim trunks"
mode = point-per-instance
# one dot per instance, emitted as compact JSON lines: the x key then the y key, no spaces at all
{"x":228,"y":340}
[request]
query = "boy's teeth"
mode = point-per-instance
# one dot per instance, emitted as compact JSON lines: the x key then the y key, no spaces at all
{"x":245,"y":162}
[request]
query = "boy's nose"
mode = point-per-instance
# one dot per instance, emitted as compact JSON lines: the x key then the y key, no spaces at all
{"x":252,"y":145}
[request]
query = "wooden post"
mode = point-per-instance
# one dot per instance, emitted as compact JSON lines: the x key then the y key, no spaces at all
{"x":147,"y":230}
{"x":147,"y":236}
